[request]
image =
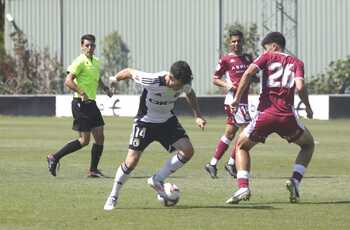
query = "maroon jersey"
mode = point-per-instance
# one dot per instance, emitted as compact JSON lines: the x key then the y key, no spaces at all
{"x":233,"y":66}
{"x":279,"y":72}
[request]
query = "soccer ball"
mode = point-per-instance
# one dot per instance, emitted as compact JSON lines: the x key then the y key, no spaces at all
{"x":173,"y":195}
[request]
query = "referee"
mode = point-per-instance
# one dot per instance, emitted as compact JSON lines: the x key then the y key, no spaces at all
{"x":83,"y":78}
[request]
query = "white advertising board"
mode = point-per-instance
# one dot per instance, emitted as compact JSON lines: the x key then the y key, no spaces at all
{"x":117,"y":105}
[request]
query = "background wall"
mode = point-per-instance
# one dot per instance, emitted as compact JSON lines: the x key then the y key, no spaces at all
{"x":158,"y":32}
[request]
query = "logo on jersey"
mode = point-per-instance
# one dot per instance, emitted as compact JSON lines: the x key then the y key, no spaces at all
{"x":160,"y":102}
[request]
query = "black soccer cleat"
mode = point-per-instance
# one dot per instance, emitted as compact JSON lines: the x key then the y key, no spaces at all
{"x":211,"y":169}
{"x":231,"y":169}
{"x":52,"y":164}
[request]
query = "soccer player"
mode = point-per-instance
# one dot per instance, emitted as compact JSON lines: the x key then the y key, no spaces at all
{"x":155,"y":121}
{"x":83,"y":78}
{"x":233,"y":65}
{"x":282,"y":74}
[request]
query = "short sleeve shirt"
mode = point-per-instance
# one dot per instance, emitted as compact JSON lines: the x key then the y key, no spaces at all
{"x":278,"y":83}
{"x":87,"y":74}
{"x":157,"y":100}
{"x":233,"y":66}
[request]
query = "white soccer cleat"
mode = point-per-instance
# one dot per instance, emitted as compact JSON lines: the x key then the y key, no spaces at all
{"x":111,"y":202}
{"x":292,"y":187}
{"x":240,"y":194}
{"x":158,"y":186}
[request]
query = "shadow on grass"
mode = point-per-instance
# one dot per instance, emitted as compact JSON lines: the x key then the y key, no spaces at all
{"x":248,"y":206}
{"x":305,"y":202}
{"x":146,"y":177}
{"x":286,"y":178}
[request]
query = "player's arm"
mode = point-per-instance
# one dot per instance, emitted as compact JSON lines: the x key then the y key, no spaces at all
{"x":244,"y":83}
{"x":105,"y":88}
{"x":124,"y":74}
{"x":222,"y":83}
{"x":304,"y":96}
{"x":69,"y":82}
{"x":193,"y":102}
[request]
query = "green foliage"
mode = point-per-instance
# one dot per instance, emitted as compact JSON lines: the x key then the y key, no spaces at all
{"x":251,"y":37}
{"x":115,"y":55}
{"x":29,"y":71}
{"x":336,"y":80}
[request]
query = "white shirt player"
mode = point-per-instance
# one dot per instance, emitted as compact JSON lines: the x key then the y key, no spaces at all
{"x":157,"y":100}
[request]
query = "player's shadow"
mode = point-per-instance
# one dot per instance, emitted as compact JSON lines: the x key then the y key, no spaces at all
{"x":255,"y":207}
{"x":247,"y":206}
{"x":326,"y":202}
{"x":280,"y":177}
{"x":305,"y":202}
{"x":146,"y":177}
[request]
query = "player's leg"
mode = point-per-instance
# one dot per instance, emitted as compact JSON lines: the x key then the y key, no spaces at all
{"x":140,"y":138}
{"x":172,"y":133}
{"x":220,"y":149}
{"x":307,"y":146}
{"x":183,"y":154}
{"x":243,"y":146}
{"x":96,"y":121}
{"x":223,"y":143}
{"x":230,"y":166}
{"x":121,"y":176}
{"x":256,"y":131}
{"x":96,"y":151}
{"x":70,"y":147}
{"x":241,"y":120}
{"x":80,"y":124}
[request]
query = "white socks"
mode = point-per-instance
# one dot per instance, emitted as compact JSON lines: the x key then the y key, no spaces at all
{"x":120,"y":177}
{"x":171,"y":165}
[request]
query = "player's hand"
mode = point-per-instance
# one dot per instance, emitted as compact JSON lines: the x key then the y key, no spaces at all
{"x":201,"y":122}
{"x":234,"y":105}
{"x":309,"y":112}
{"x":83,"y":96}
{"x":229,"y":86}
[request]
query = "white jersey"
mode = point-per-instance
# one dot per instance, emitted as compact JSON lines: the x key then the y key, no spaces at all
{"x":157,"y":100}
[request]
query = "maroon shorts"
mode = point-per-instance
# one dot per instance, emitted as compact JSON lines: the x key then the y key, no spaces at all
{"x":240,"y":117}
{"x":288,"y":127}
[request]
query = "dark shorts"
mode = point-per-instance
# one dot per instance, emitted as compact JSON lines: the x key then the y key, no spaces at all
{"x":288,"y":127}
{"x":166,"y":134}
{"x":86,"y":115}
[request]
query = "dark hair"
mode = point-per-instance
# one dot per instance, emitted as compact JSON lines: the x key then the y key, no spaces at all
{"x":181,"y":71}
{"x":236,"y":33}
{"x":274,"y":37}
{"x":89,"y":37}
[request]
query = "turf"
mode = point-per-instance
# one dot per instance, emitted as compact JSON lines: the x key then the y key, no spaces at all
{"x":32,"y":199}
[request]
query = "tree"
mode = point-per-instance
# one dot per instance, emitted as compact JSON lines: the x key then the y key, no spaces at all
{"x":115,"y":54}
{"x":251,"y":37}
{"x":29,"y":71}
{"x":336,"y":80}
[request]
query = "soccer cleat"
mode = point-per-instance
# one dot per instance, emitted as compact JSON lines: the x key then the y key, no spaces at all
{"x":158,"y":186}
{"x":240,"y":194}
{"x":211,"y":169}
{"x":95,"y":174}
{"x":52,"y":164}
{"x":111,"y":202}
{"x":293,"y":191}
{"x":231,"y":169}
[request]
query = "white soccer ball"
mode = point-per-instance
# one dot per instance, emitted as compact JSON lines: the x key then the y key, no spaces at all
{"x":173,"y":195}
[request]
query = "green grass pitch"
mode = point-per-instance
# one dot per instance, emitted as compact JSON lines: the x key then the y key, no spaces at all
{"x":31,"y":199}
